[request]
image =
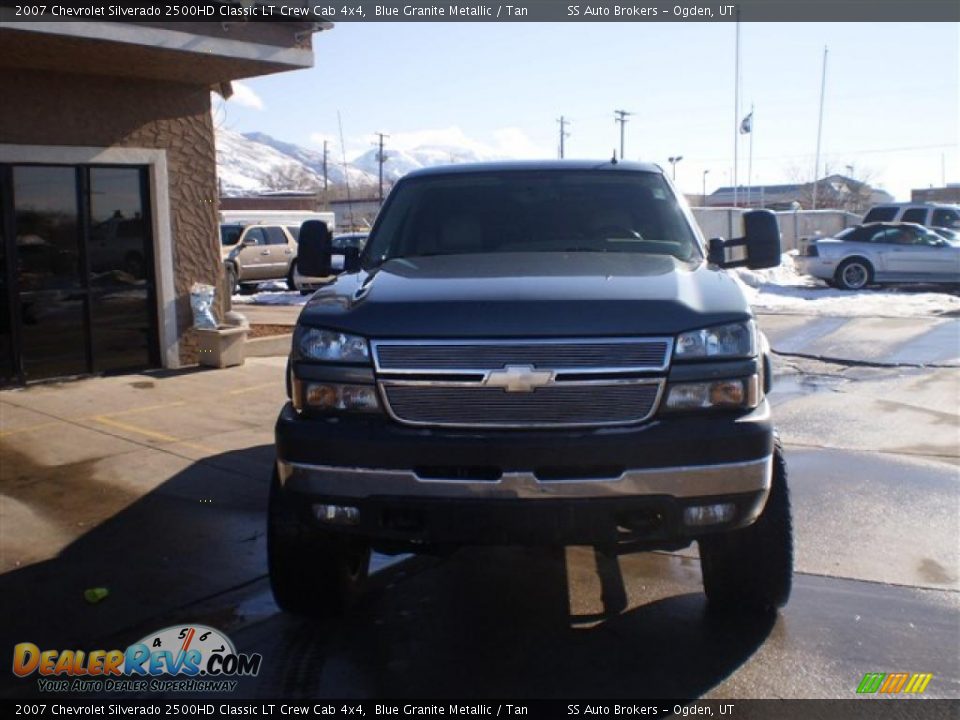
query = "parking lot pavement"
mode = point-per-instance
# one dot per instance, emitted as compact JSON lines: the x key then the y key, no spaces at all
{"x":154,"y":487}
{"x":150,"y":485}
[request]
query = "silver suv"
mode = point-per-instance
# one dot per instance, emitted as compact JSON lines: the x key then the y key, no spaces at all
{"x":929,"y":214}
{"x":262,"y":253}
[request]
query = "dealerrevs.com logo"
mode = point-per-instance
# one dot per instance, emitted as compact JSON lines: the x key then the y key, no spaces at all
{"x":192,"y":658}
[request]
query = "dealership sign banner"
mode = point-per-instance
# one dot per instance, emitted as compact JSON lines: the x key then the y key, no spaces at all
{"x":180,"y":658}
{"x":520,"y":11}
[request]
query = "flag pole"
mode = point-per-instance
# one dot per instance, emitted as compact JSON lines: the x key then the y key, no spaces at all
{"x":816,"y":162}
{"x":736,"y":107}
{"x":750,"y":160}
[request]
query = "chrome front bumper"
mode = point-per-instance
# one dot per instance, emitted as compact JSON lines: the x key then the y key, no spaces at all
{"x":679,"y":482}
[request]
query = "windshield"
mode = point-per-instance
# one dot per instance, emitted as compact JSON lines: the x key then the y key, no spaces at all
{"x":532,"y":211}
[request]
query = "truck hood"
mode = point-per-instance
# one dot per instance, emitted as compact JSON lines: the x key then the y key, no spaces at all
{"x":528,"y":295}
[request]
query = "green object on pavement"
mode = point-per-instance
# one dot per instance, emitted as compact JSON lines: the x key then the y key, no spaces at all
{"x":95,"y":595}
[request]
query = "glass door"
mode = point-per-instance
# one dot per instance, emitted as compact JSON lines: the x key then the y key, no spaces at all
{"x":76,"y":271}
{"x":120,"y":260}
{"x":52,"y":302}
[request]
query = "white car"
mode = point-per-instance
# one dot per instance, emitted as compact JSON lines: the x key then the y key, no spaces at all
{"x":882,"y":253}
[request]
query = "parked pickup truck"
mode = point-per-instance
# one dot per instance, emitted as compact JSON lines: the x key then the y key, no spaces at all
{"x":531,"y":353}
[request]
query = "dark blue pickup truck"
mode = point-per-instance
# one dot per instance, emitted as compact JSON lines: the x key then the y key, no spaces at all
{"x":531,"y":353}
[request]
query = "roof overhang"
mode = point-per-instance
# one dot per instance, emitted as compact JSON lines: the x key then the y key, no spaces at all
{"x":205,"y":53}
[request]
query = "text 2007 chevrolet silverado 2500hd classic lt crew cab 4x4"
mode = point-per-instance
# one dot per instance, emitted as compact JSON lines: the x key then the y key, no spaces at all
{"x":531,"y":353}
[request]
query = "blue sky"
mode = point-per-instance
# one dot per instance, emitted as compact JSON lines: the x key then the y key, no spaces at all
{"x":892,"y":106}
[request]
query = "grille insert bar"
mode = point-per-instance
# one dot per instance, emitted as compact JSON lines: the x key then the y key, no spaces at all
{"x":472,"y":356}
{"x":563,"y":404}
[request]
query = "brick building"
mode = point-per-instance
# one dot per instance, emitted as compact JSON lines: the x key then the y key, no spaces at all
{"x":108,"y":188}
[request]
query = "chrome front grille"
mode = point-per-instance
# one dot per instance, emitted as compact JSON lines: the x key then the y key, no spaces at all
{"x":472,"y":356}
{"x":522,"y":383}
{"x":562,"y":404}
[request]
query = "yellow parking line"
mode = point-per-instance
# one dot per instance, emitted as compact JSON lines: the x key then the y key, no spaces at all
{"x":252,"y":388}
{"x":163,"y":437}
{"x":29,"y":428}
{"x":146,"y":408}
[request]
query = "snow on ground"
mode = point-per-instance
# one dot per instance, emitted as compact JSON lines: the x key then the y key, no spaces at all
{"x":777,"y":290}
{"x":783,"y":290}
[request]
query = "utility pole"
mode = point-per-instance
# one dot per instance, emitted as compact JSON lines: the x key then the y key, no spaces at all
{"x":563,"y":133}
{"x":621,"y":118}
{"x":704,"y":200}
{"x":325,"y":196}
{"x":380,"y":160}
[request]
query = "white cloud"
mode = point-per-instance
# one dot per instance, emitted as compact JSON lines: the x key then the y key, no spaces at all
{"x":244,"y":95}
{"x":512,"y":142}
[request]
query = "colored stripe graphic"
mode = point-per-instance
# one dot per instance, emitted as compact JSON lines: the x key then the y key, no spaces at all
{"x":893,"y":683}
{"x":871,"y":682}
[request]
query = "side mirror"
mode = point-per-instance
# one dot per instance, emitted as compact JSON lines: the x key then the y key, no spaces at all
{"x":314,"y":249}
{"x":762,"y":233}
{"x":758,"y":248}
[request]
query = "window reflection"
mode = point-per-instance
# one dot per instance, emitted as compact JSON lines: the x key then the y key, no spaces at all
{"x":48,"y":254}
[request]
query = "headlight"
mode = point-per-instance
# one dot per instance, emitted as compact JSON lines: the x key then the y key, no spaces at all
{"x":738,"y":393}
{"x":330,"y":346}
{"x":724,"y":341}
{"x":328,"y":396}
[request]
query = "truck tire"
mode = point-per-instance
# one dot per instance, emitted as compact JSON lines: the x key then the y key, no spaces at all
{"x":312,"y":572}
{"x":752,"y":569}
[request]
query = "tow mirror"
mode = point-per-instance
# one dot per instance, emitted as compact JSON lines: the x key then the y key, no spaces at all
{"x":314,"y":249}
{"x":758,"y":248}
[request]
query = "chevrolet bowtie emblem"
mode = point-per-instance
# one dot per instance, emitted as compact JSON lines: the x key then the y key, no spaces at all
{"x":519,"y":378}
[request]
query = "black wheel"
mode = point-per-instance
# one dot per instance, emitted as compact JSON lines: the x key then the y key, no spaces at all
{"x":291,"y":277}
{"x":233,"y":287}
{"x":312,"y":572}
{"x":752,"y":569}
{"x":854,"y":274}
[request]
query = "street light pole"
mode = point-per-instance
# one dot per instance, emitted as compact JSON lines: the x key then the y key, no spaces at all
{"x":673,"y":161}
{"x":704,"y":200}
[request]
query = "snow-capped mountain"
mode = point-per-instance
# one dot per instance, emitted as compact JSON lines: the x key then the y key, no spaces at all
{"x":244,"y":166}
{"x":255,"y":162}
{"x":313,"y":160}
{"x":399,"y":162}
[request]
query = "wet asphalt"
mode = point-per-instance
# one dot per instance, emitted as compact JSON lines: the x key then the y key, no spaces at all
{"x":873,"y":456}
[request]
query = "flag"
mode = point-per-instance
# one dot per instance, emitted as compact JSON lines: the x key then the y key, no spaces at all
{"x":747,"y":124}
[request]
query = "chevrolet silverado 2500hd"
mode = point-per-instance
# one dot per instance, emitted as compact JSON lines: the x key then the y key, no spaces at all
{"x":531,"y":353}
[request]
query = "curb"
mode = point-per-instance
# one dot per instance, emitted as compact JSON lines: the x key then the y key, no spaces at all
{"x":270,"y":346}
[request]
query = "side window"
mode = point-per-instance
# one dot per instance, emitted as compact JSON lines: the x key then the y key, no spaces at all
{"x":901,"y":236}
{"x":915,"y":215}
{"x":255,"y":236}
{"x":275,"y":236}
{"x":294,"y":230}
{"x":881,"y":235}
{"x":943,"y":217}
{"x":880,"y":214}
